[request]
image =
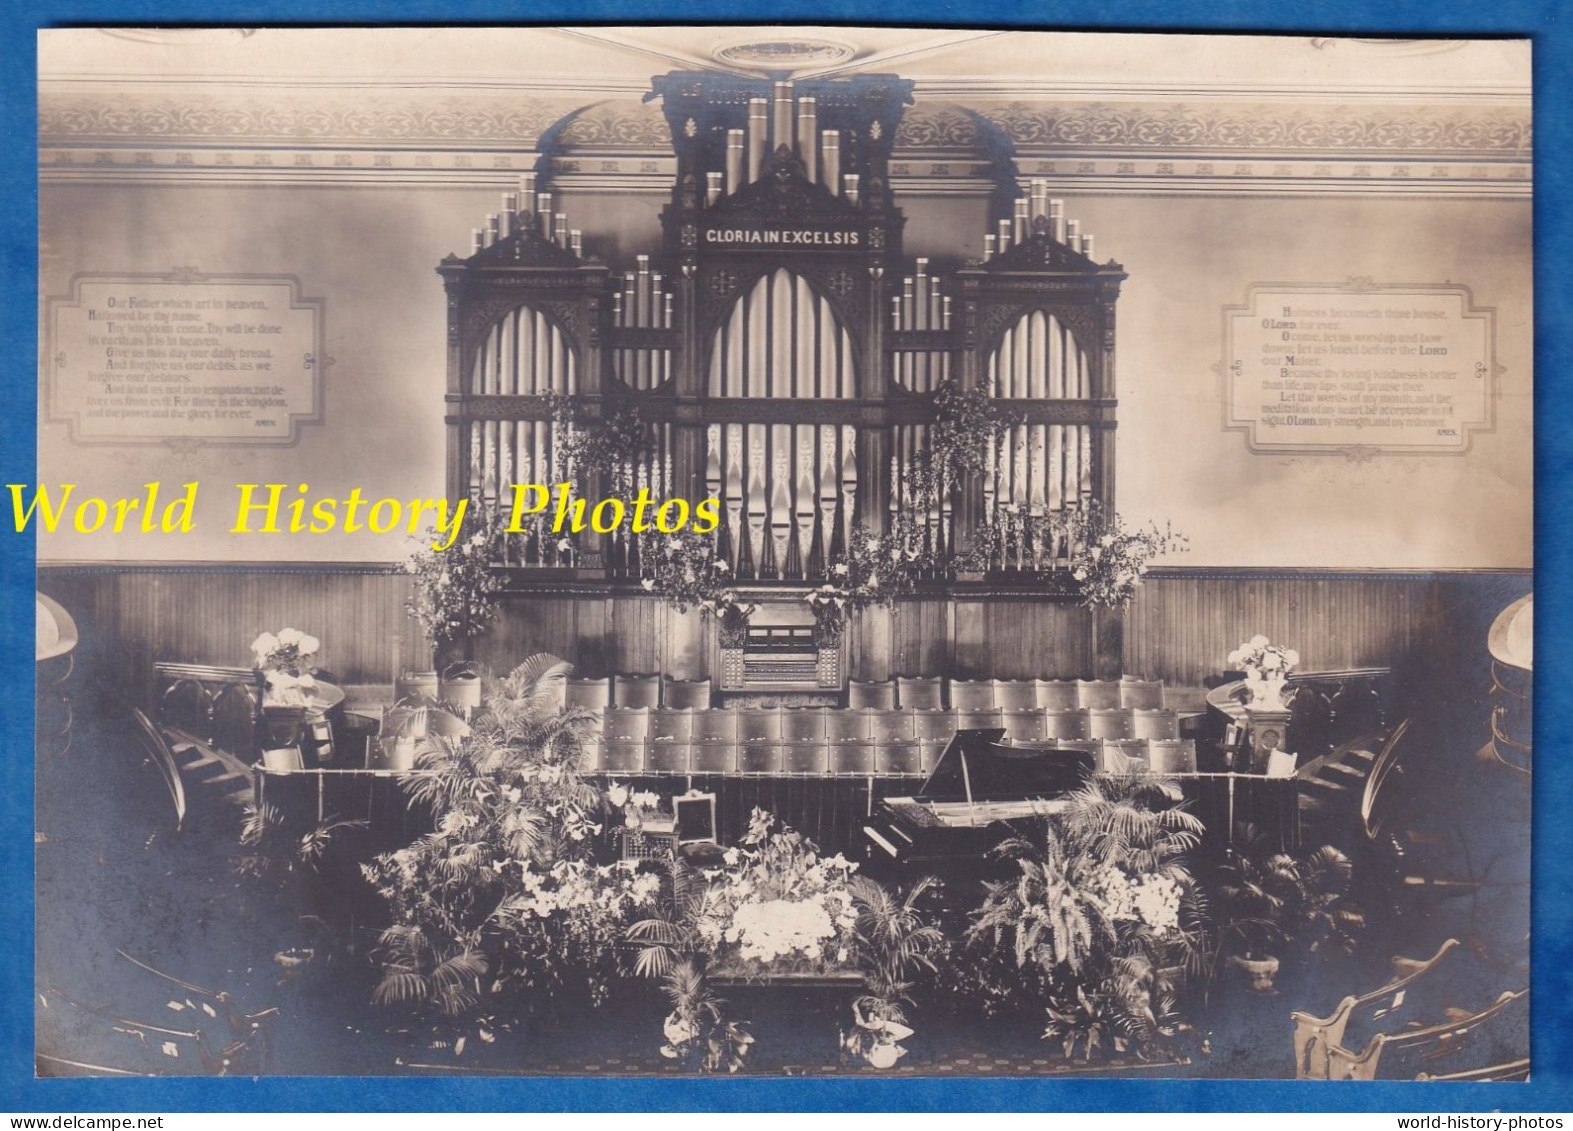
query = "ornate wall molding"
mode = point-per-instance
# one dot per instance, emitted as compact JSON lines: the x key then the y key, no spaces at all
{"x":1255,"y":129}
{"x":258,"y":116}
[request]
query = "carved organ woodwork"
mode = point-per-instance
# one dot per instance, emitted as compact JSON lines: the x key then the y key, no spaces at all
{"x":780,"y":350}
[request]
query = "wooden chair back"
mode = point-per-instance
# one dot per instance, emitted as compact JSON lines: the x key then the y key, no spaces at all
{"x":1056,"y":694}
{"x":635,"y":691}
{"x":877,"y":695}
{"x":920,"y":693}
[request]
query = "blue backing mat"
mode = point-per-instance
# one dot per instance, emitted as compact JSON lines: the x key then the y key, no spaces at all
{"x":1553,"y":870}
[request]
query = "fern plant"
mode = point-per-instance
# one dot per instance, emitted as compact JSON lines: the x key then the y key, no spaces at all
{"x":273,"y":849}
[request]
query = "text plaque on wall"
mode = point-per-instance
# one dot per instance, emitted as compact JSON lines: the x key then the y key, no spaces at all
{"x":1358,"y":367}
{"x":228,"y":359}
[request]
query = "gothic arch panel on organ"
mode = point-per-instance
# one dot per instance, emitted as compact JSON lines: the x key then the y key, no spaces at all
{"x":782,"y":339}
{"x":1042,"y":467}
{"x":786,"y":487}
{"x":1039,"y":357}
{"x":524,"y":353}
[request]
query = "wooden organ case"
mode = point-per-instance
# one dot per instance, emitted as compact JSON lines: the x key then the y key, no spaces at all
{"x":780,"y":350}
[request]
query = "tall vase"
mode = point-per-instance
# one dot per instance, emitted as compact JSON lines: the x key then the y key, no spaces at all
{"x":1266,"y":694}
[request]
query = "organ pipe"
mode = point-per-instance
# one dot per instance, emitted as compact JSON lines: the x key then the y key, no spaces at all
{"x":734,"y":161}
{"x":808,"y":135}
{"x":830,"y":163}
{"x":758,"y":124}
{"x":781,"y":116}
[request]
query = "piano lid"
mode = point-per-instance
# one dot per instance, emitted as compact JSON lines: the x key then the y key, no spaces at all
{"x":977,"y":765}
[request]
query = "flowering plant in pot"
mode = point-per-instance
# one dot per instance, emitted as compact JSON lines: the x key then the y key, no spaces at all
{"x":1100,"y":920}
{"x":829,"y":604}
{"x":454,"y":591}
{"x":288,"y":662}
{"x":731,"y":614}
{"x":502,"y":909}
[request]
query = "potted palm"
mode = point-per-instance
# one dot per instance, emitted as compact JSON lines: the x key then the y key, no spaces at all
{"x":895,"y":941}
{"x":1281,"y":902}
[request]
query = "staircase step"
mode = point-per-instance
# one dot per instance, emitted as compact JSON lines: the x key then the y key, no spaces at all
{"x":1323,"y":783}
{"x":1341,"y":770}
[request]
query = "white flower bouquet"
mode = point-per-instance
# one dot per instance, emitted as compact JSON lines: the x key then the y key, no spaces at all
{"x":1264,"y":661}
{"x":288,"y":663}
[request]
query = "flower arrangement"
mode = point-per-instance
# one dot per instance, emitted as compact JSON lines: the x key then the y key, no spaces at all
{"x":1108,"y":558}
{"x":637,"y":805}
{"x":1266,"y":667}
{"x":455,"y":590}
{"x":730,"y":611}
{"x":775,"y":905}
{"x":829,"y":604}
{"x":288,"y":664}
{"x":1264,"y":661}
{"x":780,"y":904}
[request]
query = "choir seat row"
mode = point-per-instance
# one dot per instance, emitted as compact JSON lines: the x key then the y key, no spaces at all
{"x":927,"y":693}
{"x":862,"y":757}
{"x":834,"y":724}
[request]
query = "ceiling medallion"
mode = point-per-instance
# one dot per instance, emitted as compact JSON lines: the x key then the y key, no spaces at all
{"x":785,"y":54}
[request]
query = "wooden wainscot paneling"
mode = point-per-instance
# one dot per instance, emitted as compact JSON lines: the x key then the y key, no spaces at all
{"x":133,"y":614}
{"x":1183,"y":623}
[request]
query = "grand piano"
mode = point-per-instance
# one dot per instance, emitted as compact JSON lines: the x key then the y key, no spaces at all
{"x":981,"y":791}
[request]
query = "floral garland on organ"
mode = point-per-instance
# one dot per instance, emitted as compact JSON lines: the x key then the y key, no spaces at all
{"x":683,"y":569}
{"x":613,"y":447}
{"x":968,"y":425}
{"x":455,"y":590}
{"x":1108,"y":558}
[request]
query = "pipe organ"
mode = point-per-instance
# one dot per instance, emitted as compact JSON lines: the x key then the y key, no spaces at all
{"x":779,"y":347}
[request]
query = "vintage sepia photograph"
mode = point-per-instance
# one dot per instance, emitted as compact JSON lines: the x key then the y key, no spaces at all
{"x":860,"y":552}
